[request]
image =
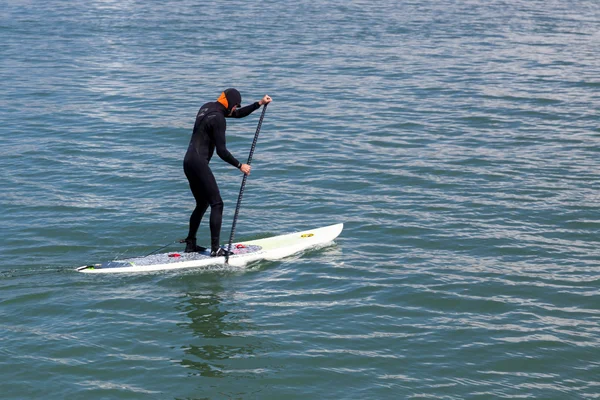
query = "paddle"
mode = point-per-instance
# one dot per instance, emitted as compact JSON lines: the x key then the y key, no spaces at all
{"x":239,"y":201}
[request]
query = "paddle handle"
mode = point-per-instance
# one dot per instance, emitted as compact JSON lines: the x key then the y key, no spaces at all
{"x":239,"y":201}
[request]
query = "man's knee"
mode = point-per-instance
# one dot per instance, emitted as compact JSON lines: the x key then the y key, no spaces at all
{"x":217,"y":206}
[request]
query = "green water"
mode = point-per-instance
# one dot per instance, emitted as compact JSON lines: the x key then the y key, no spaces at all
{"x":458,"y":141}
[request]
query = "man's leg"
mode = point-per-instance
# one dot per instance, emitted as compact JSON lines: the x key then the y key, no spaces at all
{"x":195,"y":173}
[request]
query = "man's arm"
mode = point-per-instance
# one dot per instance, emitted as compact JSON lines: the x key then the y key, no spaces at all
{"x":245,"y":111}
{"x":220,"y":144}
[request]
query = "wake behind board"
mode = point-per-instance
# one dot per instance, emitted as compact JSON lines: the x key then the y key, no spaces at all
{"x":272,"y":248}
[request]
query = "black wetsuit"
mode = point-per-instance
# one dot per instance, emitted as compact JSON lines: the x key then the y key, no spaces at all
{"x":209,"y":133}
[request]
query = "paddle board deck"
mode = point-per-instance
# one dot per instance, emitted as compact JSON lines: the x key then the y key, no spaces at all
{"x":272,"y":248}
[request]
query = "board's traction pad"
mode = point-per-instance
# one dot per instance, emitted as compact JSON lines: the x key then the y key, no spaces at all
{"x":170,"y":258}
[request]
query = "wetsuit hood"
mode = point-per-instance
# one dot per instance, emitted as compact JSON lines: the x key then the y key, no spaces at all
{"x":230,"y":98}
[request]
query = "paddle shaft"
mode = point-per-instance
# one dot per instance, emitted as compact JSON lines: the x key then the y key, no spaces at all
{"x":239,"y":201}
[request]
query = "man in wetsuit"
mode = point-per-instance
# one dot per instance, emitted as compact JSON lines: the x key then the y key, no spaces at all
{"x":208,"y":134}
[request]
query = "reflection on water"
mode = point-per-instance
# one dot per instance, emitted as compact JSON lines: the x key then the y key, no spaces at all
{"x":218,"y":327}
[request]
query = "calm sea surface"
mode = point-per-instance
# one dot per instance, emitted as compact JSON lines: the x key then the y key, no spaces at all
{"x":458,"y":140}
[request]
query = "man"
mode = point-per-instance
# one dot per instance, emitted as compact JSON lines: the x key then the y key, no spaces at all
{"x":208,"y":134}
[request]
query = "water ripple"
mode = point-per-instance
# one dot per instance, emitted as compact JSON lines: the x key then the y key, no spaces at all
{"x":457,"y":141}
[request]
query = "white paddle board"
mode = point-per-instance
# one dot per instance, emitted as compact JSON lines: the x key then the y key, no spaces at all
{"x":272,"y":248}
